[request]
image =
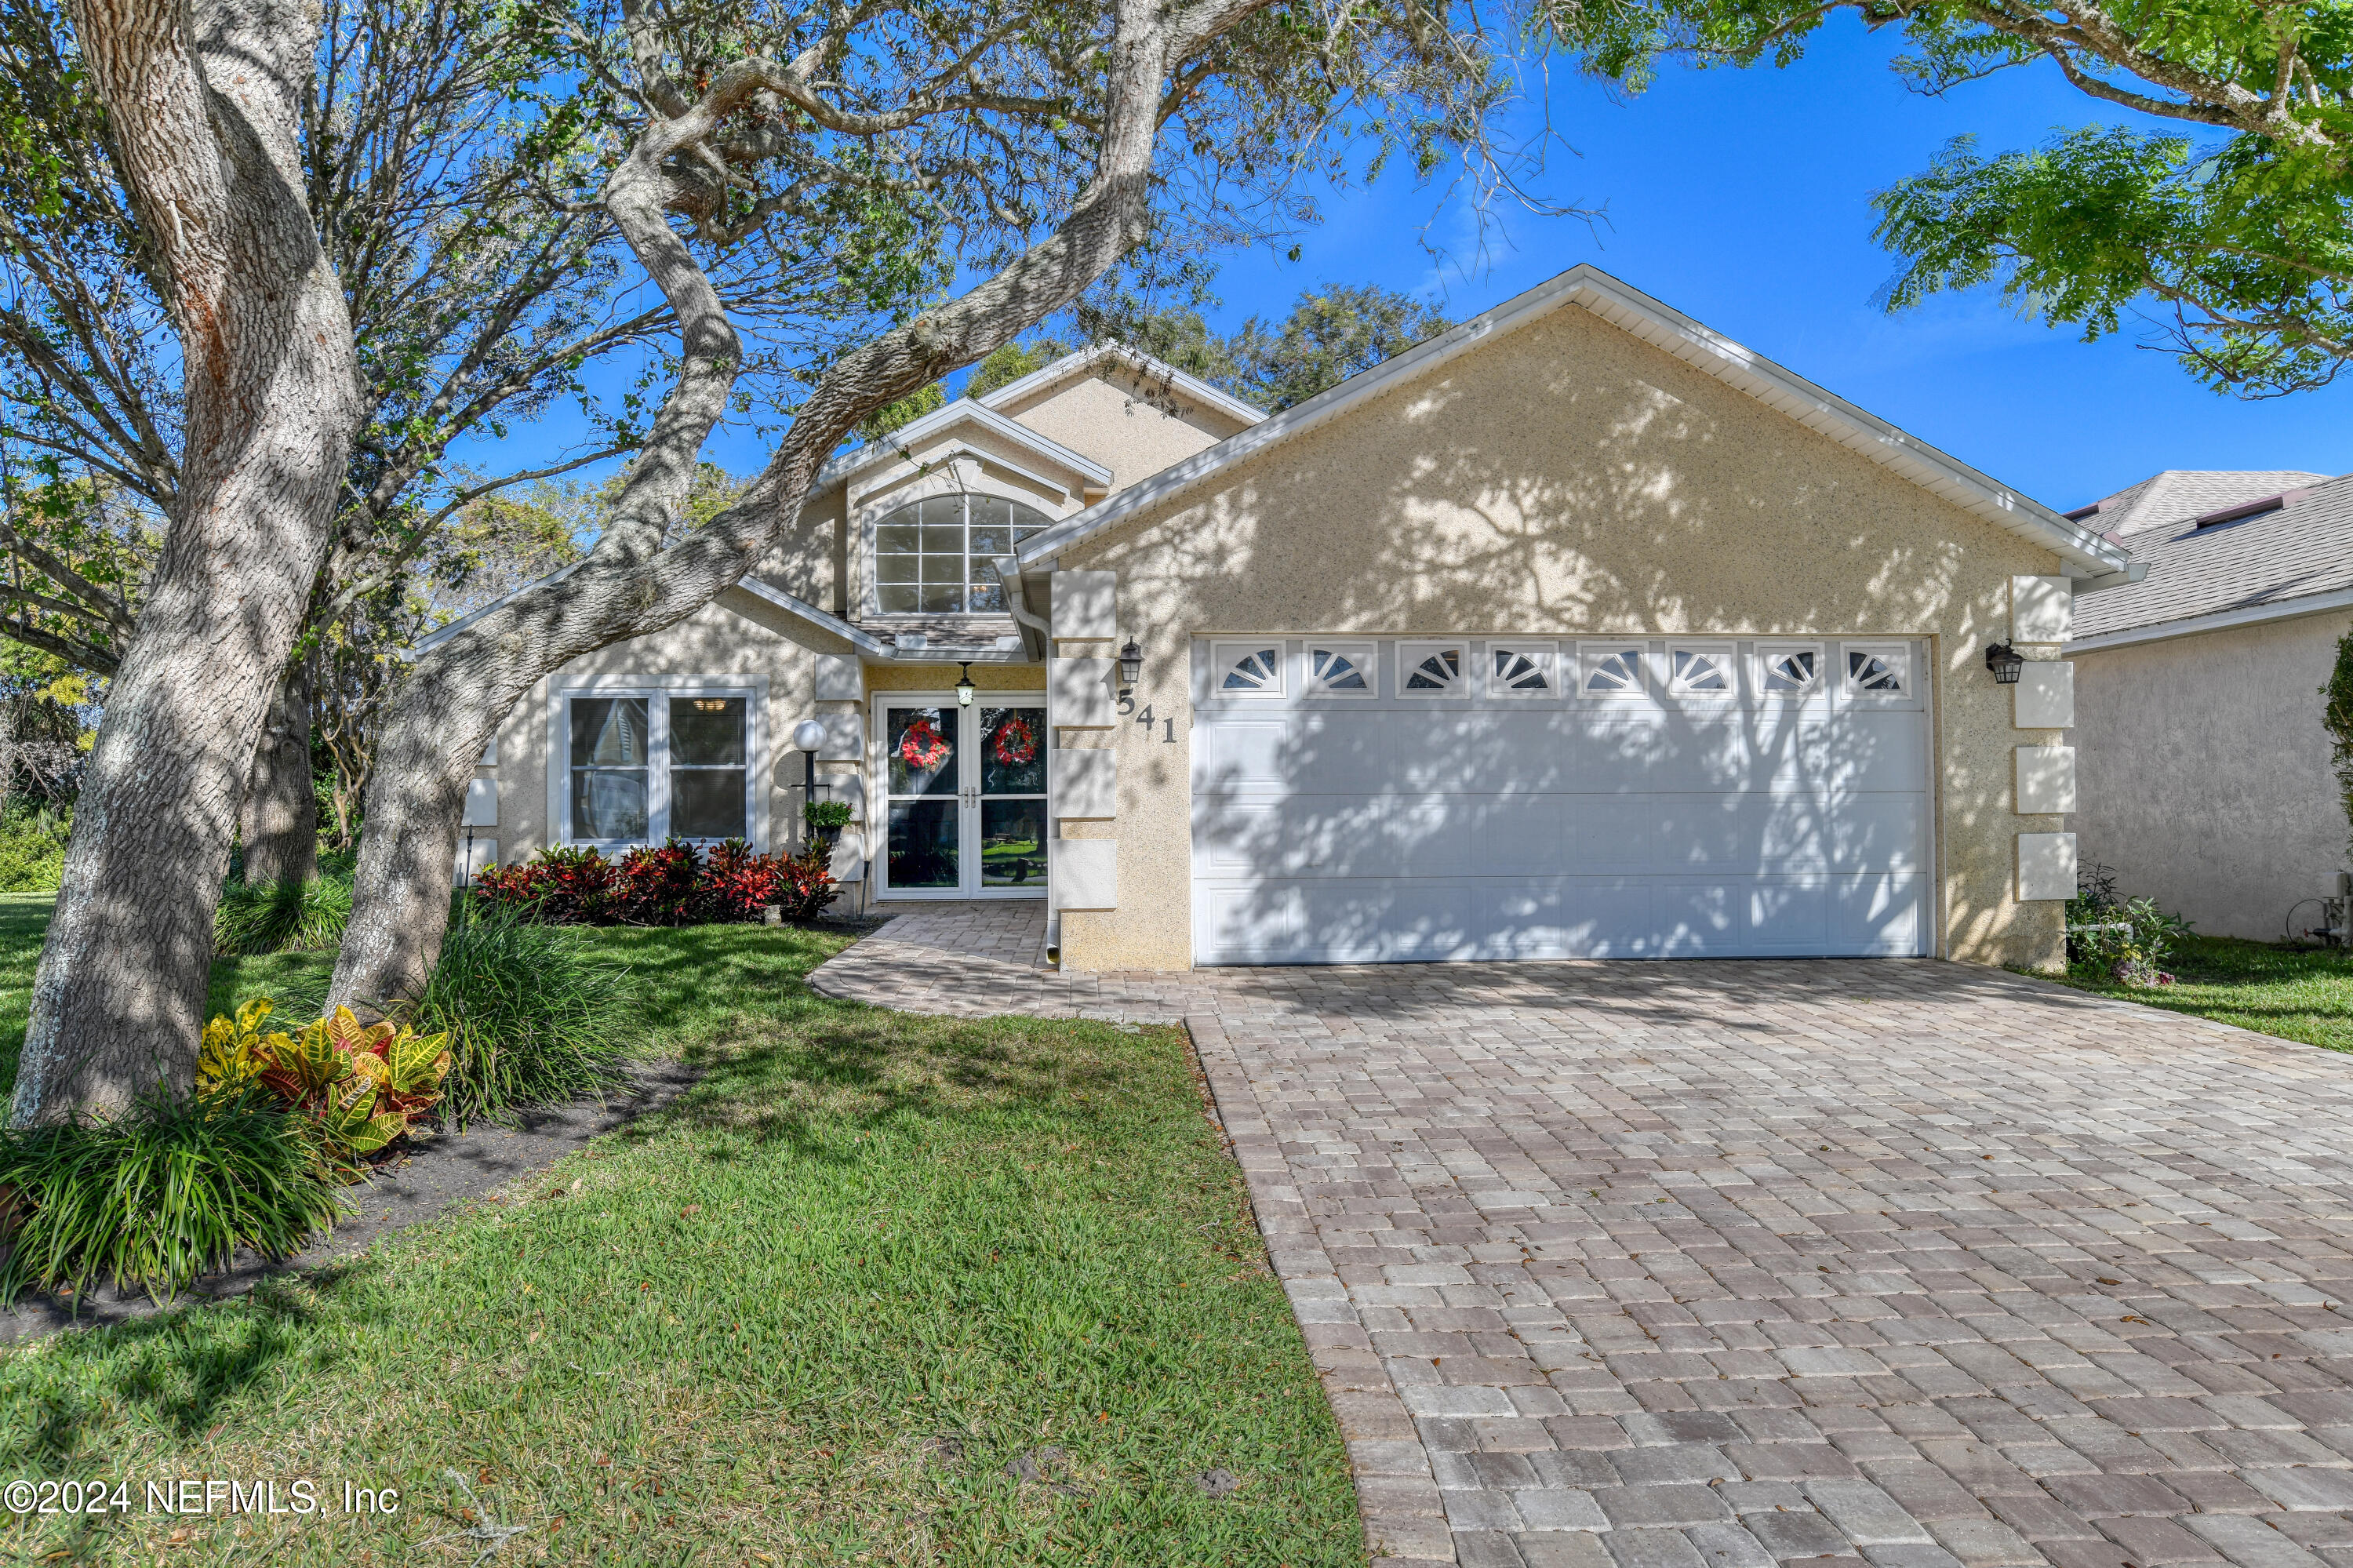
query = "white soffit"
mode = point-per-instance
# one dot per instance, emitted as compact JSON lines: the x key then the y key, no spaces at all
{"x":2085,"y":553}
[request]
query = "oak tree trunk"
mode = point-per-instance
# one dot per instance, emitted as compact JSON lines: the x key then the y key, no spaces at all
{"x":280,"y":824}
{"x":205,"y":101}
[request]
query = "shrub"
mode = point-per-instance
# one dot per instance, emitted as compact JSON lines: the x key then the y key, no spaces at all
{"x":33,"y":849}
{"x":809,"y":885}
{"x":738,"y":882}
{"x":826,"y":815}
{"x":361,"y":1086}
{"x":675,"y":884}
{"x":532,"y":1016}
{"x":2125,"y":940}
{"x":282,"y":916}
{"x":159,"y":1195}
{"x":657,"y":887}
{"x":564,"y":887}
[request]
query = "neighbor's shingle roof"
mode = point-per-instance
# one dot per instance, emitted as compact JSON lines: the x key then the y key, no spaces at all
{"x":2178,"y":495}
{"x":2305,"y":547}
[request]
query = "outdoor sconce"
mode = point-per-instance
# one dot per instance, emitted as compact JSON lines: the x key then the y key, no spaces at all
{"x":963,"y":687}
{"x":2005,"y":661}
{"x":1131,"y":667}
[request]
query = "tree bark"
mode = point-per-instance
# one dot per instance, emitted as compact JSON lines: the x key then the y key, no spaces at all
{"x":205,"y":101}
{"x":632,"y":584}
{"x":280,"y":823}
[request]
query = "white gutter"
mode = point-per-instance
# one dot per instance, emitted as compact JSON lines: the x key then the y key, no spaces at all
{"x":2219,"y":620}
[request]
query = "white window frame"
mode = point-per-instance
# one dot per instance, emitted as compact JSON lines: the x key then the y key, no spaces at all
{"x":1364,"y":654}
{"x":1725,"y":656}
{"x":1545,"y":656}
{"x":660,"y":690}
{"x":1409,"y":655}
{"x":1591,"y":656}
{"x":1767,"y":653}
{"x":1897,"y":653}
{"x":880,"y":509}
{"x":1225,"y":655}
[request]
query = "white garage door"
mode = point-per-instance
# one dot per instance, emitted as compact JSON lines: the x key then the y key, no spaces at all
{"x":1371,"y":800}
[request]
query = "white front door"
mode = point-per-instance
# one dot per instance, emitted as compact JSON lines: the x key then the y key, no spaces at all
{"x":1371,"y":800}
{"x":963,"y":796}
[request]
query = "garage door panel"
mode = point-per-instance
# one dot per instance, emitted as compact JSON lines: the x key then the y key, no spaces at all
{"x":1386,"y":829}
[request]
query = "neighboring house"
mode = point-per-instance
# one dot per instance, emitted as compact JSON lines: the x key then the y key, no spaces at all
{"x":2204,"y":773}
{"x":1575,"y":631}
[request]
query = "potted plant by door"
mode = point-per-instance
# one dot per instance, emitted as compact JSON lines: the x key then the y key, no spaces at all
{"x":826,"y":818}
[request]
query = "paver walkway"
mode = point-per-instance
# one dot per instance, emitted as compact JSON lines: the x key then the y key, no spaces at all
{"x":1652,"y":1266}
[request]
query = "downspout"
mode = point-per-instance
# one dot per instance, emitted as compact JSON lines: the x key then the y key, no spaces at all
{"x":1034,"y":631}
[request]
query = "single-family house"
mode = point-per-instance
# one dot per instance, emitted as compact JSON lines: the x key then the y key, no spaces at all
{"x":1579,"y":629}
{"x":2204,"y":777}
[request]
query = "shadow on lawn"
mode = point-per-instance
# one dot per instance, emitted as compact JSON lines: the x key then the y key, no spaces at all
{"x":177,"y":1368}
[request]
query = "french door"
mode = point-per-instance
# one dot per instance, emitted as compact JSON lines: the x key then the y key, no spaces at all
{"x":964,"y":797}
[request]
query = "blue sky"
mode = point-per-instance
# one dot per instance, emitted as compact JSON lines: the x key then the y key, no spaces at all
{"x":1742,"y":198}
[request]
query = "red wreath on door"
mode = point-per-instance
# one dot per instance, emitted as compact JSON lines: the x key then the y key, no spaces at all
{"x":1015,"y":742}
{"x":923,"y":747}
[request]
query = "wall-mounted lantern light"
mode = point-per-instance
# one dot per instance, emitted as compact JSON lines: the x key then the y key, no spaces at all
{"x":2005,"y":661}
{"x":963,"y":687}
{"x":1131,"y":667}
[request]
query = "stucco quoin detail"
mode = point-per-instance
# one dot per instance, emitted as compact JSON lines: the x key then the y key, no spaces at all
{"x":2044,"y":697}
{"x":2046,"y":866}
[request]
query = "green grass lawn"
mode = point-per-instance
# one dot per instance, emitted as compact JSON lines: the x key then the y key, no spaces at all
{"x":2296,"y":994}
{"x":808,"y":1315}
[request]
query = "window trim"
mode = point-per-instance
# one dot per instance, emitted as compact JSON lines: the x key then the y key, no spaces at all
{"x":1412,"y":651}
{"x":873,"y":514}
{"x":1591,"y":656}
{"x":1723,"y":652}
{"x":1363,"y":653}
{"x":1544,"y":654}
{"x":1898,"y":652}
{"x":660,"y":690}
{"x":1766,"y":649}
{"x":1224,"y":655}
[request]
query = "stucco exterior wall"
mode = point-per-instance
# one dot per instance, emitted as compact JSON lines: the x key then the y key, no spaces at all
{"x":1568,"y":478}
{"x":736,"y":636}
{"x":1113,"y":417}
{"x":2203,"y":772}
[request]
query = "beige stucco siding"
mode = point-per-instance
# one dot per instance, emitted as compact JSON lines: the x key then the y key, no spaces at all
{"x":2203,"y":772}
{"x":737,"y":636}
{"x":1565,"y":479}
{"x":1133,"y":428}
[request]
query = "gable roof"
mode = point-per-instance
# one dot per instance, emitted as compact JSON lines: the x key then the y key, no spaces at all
{"x":2094,"y":561}
{"x":899,"y":445}
{"x":1072,"y":365}
{"x":2293,"y":559}
{"x":2178,"y":495}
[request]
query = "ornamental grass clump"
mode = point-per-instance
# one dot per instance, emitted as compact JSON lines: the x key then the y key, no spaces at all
{"x":531,"y":1015}
{"x":282,"y":916}
{"x":158,"y":1196}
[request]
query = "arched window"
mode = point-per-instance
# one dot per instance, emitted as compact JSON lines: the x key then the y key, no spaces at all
{"x":937,"y":556}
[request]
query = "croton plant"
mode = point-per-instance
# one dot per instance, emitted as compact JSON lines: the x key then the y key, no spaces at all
{"x":363,"y":1084}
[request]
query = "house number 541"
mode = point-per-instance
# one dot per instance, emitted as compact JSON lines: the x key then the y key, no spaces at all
{"x":1167,"y":725}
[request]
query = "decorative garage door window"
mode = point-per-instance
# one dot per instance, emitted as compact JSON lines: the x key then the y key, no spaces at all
{"x":1702,"y":669}
{"x":1883,"y":672}
{"x":1520,"y":669}
{"x":1340,"y":668}
{"x":1432,"y":669}
{"x":1250,"y":672}
{"x":939,"y":556}
{"x":1607,"y":670}
{"x":1788,"y":671}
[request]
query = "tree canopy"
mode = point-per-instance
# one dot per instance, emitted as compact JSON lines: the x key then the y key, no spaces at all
{"x":2222,"y":204}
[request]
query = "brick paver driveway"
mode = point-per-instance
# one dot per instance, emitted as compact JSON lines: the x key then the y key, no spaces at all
{"x":1731,"y":1263}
